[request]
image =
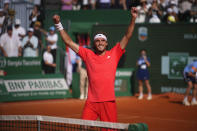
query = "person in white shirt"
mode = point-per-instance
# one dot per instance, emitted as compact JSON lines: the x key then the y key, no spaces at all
{"x":30,"y":44}
{"x":18,"y":29}
{"x":10,"y":44}
{"x":51,"y":38}
{"x":2,"y":18}
{"x":49,"y":64}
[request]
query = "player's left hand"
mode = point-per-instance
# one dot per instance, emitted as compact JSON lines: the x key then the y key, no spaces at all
{"x":134,"y":12}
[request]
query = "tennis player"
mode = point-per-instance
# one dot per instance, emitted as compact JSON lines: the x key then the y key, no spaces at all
{"x":101,"y":67}
{"x":191,"y":79}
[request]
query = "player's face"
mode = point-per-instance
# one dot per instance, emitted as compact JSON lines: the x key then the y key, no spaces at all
{"x":100,"y":44}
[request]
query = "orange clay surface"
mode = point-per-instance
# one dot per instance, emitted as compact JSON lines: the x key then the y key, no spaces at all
{"x":163,"y":113}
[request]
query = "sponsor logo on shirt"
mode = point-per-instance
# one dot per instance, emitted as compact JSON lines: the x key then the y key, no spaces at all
{"x":108,"y":57}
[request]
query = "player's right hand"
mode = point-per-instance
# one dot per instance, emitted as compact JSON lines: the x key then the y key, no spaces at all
{"x":56,"y":19}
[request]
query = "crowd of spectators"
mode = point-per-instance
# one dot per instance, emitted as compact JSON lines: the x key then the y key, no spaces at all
{"x":150,"y":11}
{"x":15,"y":41}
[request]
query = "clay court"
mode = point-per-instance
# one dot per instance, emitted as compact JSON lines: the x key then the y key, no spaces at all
{"x":163,"y":113}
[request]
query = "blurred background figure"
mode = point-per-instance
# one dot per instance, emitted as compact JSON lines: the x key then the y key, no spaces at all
{"x":193,"y":12}
{"x":119,"y":4}
{"x":83,"y":78}
{"x":30,"y":44}
{"x":190,"y":78}
{"x":184,"y":10}
{"x":154,"y":13}
{"x":104,"y":4}
{"x":10,"y":44}
{"x":66,"y":4}
{"x":2,"y":18}
{"x":39,"y":35}
{"x":35,"y":16}
{"x":76,"y":5}
{"x":85,"y":4}
{"x":51,"y":39}
{"x":142,"y":11}
{"x":93,"y":4}
{"x":18,"y":29}
{"x":48,"y":61}
{"x":143,"y":74}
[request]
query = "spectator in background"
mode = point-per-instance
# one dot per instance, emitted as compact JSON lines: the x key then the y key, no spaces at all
{"x":18,"y":29}
{"x":162,"y":6}
{"x":85,"y":4}
{"x":66,"y":4}
{"x":76,"y":5}
{"x":38,"y":34}
{"x":30,"y":44}
{"x":154,"y":13}
{"x":93,"y":4}
{"x":10,"y":44}
{"x":104,"y":4}
{"x":119,"y":4}
{"x":184,"y":10}
{"x":190,"y":77}
{"x":6,"y":7}
{"x":51,"y":38}
{"x":2,"y":18}
{"x":49,"y":64}
{"x":142,"y":11}
{"x":35,"y":16}
{"x":170,"y":17}
{"x":193,"y":12}
{"x":143,"y":74}
{"x":83,"y":78}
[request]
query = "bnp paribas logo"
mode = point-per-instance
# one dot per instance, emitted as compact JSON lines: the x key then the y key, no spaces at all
{"x":142,"y":33}
{"x":2,"y":62}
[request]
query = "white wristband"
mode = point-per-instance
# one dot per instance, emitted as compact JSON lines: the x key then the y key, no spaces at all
{"x":59,"y":26}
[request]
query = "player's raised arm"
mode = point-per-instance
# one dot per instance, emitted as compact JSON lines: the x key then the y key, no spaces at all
{"x":129,"y":32}
{"x":66,"y":38}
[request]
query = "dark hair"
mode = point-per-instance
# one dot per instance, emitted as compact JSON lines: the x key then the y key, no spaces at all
{"x":9,"y":27}
{"x":143,"y":50}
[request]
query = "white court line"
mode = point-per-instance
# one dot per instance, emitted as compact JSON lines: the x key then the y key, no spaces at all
{"x":160,"y":119}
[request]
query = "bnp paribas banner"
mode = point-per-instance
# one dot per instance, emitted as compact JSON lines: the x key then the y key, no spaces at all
{"x":33,"y":89}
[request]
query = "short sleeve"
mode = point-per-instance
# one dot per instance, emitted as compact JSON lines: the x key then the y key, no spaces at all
{"x":83,"y":53}
{"x":118,"y":50}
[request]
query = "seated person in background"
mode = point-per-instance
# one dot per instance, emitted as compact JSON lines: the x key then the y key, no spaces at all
{"x":30,"y":44}
{"x":51,"y":38}
{"x":104,"y":4}
{"x":66,"y":4}
{"x":10,"y":44}
{"x":35,"y":16}
{"x":154,"y":13}
{"x":143,"y":10}
{"x":49,"y":64}
{"x":193,"y":12}
{"x":18,"y":29}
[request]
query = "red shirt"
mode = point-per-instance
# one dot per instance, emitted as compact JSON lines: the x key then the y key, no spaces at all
{"x":101,"y":72}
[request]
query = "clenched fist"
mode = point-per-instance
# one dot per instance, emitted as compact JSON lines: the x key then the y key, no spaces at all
{"x":56,"y":19}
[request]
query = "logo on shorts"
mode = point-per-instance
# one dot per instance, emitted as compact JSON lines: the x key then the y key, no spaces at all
{"x":142,"y":33}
